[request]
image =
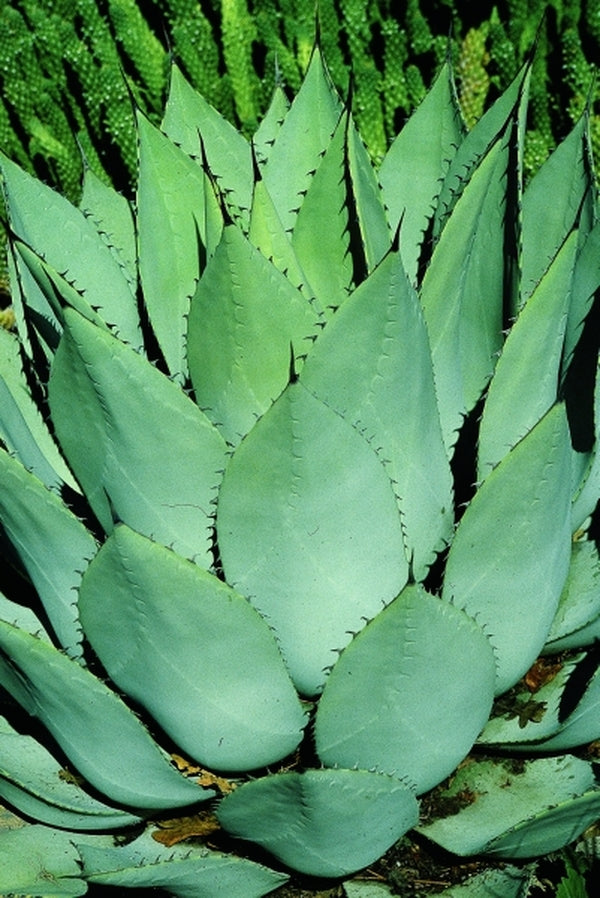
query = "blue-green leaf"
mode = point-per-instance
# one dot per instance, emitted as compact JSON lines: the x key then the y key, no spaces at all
{"x":164,"y":629}
{"x":321,"y":238}
{"x":537,"y":808}
{"x":111,"y":214}
{"x":368,"y":203}
{"x":37,"y":784}
{"x":321,"y":822}
{"x":309,"y":530}
{"x":510,"y":556}
{"x":170,"y":221}
{"x":99,"y":734}
{"x":39,"y":860}
{"x":244,"y":317}
{"x":22,"y":428}
{"x":70,"y":243}
{"x":193,"y":123}
{"x":185,"y":871}
{"x":301,"y":141}
{"x":462,"y":292}
{"x":565,"y":178}
{"x":53,"y":545}
{"x":415,"y":164}
{"x":113,"y":411}
{"x":525,"y":382}
{"x":398,"y":699}
{"x":372,"y":365}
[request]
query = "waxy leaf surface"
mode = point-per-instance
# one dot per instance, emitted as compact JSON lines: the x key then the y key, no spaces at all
{"x":191,"y":651}
{"x":309,"y":531}
{"x":101,"y":737}
{"x":372,"y":365}
{"x":321,"y":822}
{"x":142,"y":451}
{"x":398,"y":700}
{"x":510,"y":555}
{"x":245,"y":316}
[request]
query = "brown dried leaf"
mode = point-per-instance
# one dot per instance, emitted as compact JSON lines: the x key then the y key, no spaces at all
{"x":178,"y":829}
{"x":205,"y":777}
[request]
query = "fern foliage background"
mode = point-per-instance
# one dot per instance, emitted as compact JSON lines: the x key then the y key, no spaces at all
{"x":66,"y":68}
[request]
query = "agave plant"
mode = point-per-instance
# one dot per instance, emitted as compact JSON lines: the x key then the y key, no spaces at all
{"x":300,"y":469}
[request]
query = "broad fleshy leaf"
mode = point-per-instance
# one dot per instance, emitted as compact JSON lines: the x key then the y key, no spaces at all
{"x":192,"y":652}
{"x":413,"y":167}
{"x":22,"y":428}
{"x":525,"y":382}
{"x":321,"y":238}
{"x":185,"y":871}
{"x":565,"y":177}
{"x":301,"y":141}
{"x":510,"y":555}
{"x":71,"y":244}
{"x":310,"y":531}
{"x":100,"y":736}
{"x":579,"y":603}
{"x":367,"y":200}
{"x":52,"y":543}
{"x":372,"y":365}
{"x":398,"y":701}
{"x":142,"y":451}
{"x":244,"y":318}
{"x":463,"y":292}
{"x":39,"y":860}
{"x":36,"y":783}
{"x":199,"y":129}
{"x":535,"y":808}
{"x":111,"y":214}
{"x":321,"y":822}
{"x":170,"y":222}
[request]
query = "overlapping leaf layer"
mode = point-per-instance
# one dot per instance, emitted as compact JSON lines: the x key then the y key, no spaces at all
{"x":300,"y":459}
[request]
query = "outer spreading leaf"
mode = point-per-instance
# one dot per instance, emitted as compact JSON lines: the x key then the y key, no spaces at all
{"x":22,"y":428}
{"x":191,"y":651}
{"x":53,"y":545}
{"x":309,"y":530}
{"x":71,"y":244}
{"x":102,"y":738}
{"x":56,"y":290}
{"x":321,"y":822}
{"x":462,"y":292}
{"x":300,"y":142}
{"x":142,"y":451}
{"x":416,"y":161}
{"x":398,"y":700}
{"x":372,"y":365}
{"x":170,"y":221}
{"x":509,"y":576}
{"x":579,"y":603}
{"x":35,"y":783}
{"x":193,"y":123}
{"x":185,"y":871}
{"x":244,"y":316}
{"x":526,"y":378}
{"x":536,"y":809}
{"x":41,"y":861}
